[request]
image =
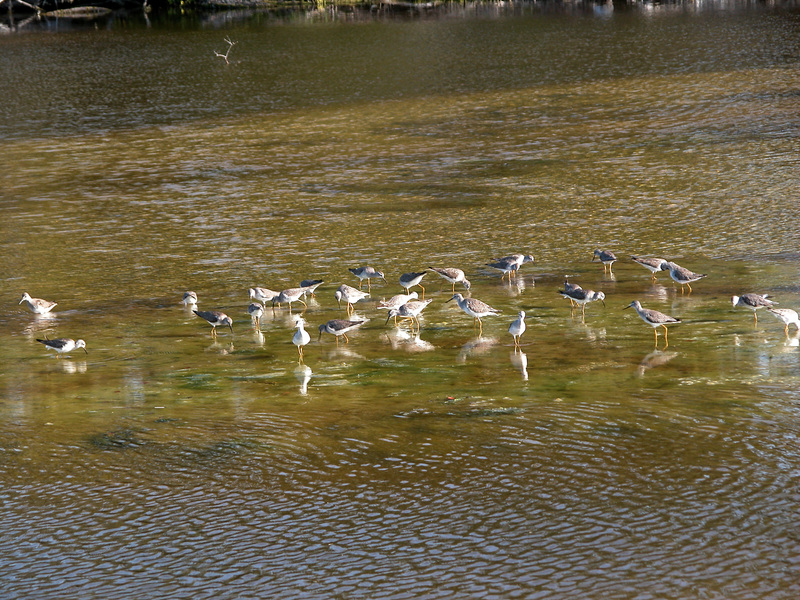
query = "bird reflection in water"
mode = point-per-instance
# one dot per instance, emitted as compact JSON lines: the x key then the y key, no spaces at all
{"x":654,"y":359}
{"x":70,"y":366}
{"x":402,"y":339}
{"x":520,"y":361}
{"x":514,"y":287}
{"x":303,"y":374}
{"x":220,"y":348}
{"x":476,"y":347}
{"x":39,"y":324}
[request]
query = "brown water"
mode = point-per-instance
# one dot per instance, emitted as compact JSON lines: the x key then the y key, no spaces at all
{"x":589,"y":465}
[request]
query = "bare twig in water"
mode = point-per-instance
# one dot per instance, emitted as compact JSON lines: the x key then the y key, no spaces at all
{"x":230,"y":46}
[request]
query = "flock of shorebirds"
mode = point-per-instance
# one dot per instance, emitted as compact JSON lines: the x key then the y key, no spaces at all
{"x":409,"y":306}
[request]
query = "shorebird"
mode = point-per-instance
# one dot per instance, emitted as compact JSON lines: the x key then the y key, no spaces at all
{"x":681,"y":275}
{"x":606,"y":257}
{"x":788,"y":316}
{"x":189,"y":299}
{"x":289,"y":296}
{"x":301,"y":336}
{"x":654,"y":318}
{"x":651,"y":264}
{"x":350,"y":295}
{"x":520,"y":259}
{"x":366,"y":273}
{"x":409,"y":280}
{"x":569,"y":288}
{"x":64,"y":345}
{"x":474,"y":308}
{"x":262,"y":295}
{"x":37,"y":305}
{"x":505,"y":266}
{"x":215,"y":318}
{"x":310,"y":285}
{"x":582,"y":297}
{"x":255,"y":310}
{"x":410,"y":310}
{"x":396,"y":302}
{"x":753,"y":302}
{"x":517,"y":328}
{"x":454,"y":276}
{"x":339,"y":327}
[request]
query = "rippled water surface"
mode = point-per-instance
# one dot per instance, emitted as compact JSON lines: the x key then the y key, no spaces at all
{"x":167,"y":463}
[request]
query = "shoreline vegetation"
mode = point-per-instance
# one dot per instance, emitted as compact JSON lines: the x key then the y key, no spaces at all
{"x":30,"y":15}
{"x":96,"y":8}
{"x":90,"y":8}
{"x":50,"y":15}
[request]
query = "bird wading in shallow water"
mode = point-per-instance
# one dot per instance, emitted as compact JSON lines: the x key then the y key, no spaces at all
{"x":255,"y":310}
{"x":289,"y":296}
{"x":681,"y":275}
{"x":517,"y":328}
{"x":262,"y":295}
{"x":568,"y":289}
{"x":395,"y":302}
{"x":301,"y":337}
{"x":367,"y":273}
{"x":753,"y":302}
{"x":582,"y":297}
{"x":606,"y":257}
{"x":37,"y":305}
{"x":787,"y":316}
{"x":339,"y":327}
{"x":520,"y":259}
{"x":651,"y":264}
{"x":310,"y":286}
{"x":506,"y":267}
{"x":655,"y":319}
{"x":452,"y":275}
{"x":409,"y":280}
{"x":474,"y":308}
{"x":215,"y":318}
{"x":64,"y":345}
{"x":350,"y":295}
{"x":410,"y":310}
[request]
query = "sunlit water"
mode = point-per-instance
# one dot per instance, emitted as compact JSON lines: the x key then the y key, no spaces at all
{"x":166,"y":463}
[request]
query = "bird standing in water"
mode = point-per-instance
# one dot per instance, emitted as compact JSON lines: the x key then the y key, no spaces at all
{"x":517,"y":328}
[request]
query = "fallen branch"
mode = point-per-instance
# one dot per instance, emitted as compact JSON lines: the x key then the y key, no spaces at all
{"x":230,"y":46}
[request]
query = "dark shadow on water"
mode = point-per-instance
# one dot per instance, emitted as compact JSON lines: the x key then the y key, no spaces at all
{"x":85,"y":16}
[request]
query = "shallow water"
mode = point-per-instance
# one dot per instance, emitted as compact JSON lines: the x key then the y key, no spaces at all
{"x":396,"y":466}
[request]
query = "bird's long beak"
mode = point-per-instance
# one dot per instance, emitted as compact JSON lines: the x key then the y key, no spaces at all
{"x":21,"y":301}
{"x":85,"y":350}
{"x":604,"y":303}
{"x":387,"y":319}
{"x":453,"y":298}
{"x":627,"y":307}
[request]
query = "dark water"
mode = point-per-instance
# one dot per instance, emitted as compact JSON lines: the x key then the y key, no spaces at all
{"x":165,"y":463}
